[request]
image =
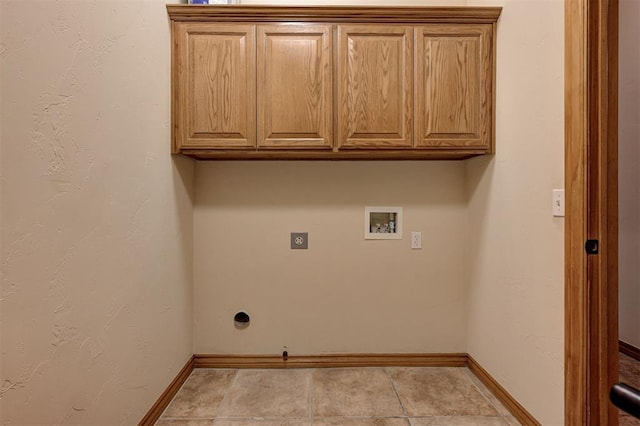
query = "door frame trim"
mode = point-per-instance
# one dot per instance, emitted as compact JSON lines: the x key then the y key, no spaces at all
{"x":591,"y":143}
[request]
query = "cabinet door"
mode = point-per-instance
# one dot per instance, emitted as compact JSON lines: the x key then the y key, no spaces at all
{"x":454,"y":74}
{"x":294,"y":86}
{"x":214,"y":83}
{"x":375,"y":86}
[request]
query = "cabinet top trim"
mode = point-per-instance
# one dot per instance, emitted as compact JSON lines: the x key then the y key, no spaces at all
{"x":334,"y":14}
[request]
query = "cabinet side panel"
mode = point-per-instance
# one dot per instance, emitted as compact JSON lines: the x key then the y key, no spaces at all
{"x":175,"y":79}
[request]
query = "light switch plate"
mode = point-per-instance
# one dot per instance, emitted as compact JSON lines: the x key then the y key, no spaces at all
{"x":558,"y":202}
{"x":299,"y":240}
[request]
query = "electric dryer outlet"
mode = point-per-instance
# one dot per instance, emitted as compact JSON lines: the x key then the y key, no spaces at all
{"x":299,"y":240}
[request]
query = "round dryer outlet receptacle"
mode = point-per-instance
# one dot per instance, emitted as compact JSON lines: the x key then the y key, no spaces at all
{"x":241,"y":320}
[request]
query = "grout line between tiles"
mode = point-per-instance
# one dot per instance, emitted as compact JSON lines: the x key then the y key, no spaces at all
{"x":311,"y":400}
{"x":395,"y":391}
{"x":187,"y":418}
{"x":311,"y":390}
{"x":259,"y":418}
{"x":174,"y":397}
{"x":226,"y":392}
{"x":485,"y":392}
{"x":466,"y":416}
{"x":362,"y":417}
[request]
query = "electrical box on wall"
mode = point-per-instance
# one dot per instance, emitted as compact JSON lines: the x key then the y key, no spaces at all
{"x":416,"y":240}
{"x":299,"y":240}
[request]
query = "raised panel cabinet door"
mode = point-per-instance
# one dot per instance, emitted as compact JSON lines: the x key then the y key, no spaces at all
{"x":375,"y":87}
{"x":454,"y":76}
{"x":214,"y":106}
{"x":294,"y":86}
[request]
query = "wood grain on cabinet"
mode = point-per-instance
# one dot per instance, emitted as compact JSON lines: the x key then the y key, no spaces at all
{"x":454,"y":78}
{"x":216,"y":82}
{"x":334,"y":14}
{"x":295,"y":86}
{"x":333,"y":82}
{"x":375,"y":86}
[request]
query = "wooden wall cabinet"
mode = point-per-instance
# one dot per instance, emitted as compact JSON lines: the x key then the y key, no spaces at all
{"x":454,"y":85}
{"x":295,"y":86}
{"x":334,"y":83}
{"x":214,"y":97}
{"x":375,"y":86}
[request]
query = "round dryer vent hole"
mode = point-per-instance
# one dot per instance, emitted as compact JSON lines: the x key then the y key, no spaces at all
{"x":241,"y":320}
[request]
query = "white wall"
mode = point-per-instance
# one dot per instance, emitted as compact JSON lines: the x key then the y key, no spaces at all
{"x":516,"y":310}
{"x":97,"y":224}
{"x":344,"y":294}
{"x":2,"y":51}
{"x":96,"y":221}
{"x":629,"y":172}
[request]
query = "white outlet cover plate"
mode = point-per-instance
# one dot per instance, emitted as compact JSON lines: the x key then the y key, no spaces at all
{"x":416,"y":240}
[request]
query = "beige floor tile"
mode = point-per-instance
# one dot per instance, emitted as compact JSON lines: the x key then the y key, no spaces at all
{"x":493,"y":400}
{"x":262,"y":422}
{"x":344,"y":421}
{"x":626,"y":420}
{"x":184,"y":422}
{"x":363,"y":392}
{"x":201,"y":394}
{"x":268,"y":393}
{"x":459,"y":421}
{"x":629,"y":371}
{"x":444,"y":391}
{"x":629,"y":374}
{"x":512,"y":421}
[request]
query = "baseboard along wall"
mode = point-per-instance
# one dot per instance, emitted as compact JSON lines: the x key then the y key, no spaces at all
{"x":165,"y":398}
{"x":331,"y":361}
{"x":629,"y":350}
{"x":339,"y":361}
{"x":514,"y":407}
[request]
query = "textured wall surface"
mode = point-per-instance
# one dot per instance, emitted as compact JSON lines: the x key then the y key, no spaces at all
{"x":629,"y":172}
{"x":345,"y":293}
{"x":96,"y":227}
{"x":96,"y":216}
{"x":491,"y":243}
{"x":516,"y":310}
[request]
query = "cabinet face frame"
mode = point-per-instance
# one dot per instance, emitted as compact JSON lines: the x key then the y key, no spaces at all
{"x":295,"y":60}
{"x":379,"y":116}
{"x":458,"y":58}
{"x":231,"y":124}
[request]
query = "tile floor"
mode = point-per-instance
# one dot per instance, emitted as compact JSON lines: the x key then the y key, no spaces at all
{"x":629,"y":374}
{"x":336,"y":396}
